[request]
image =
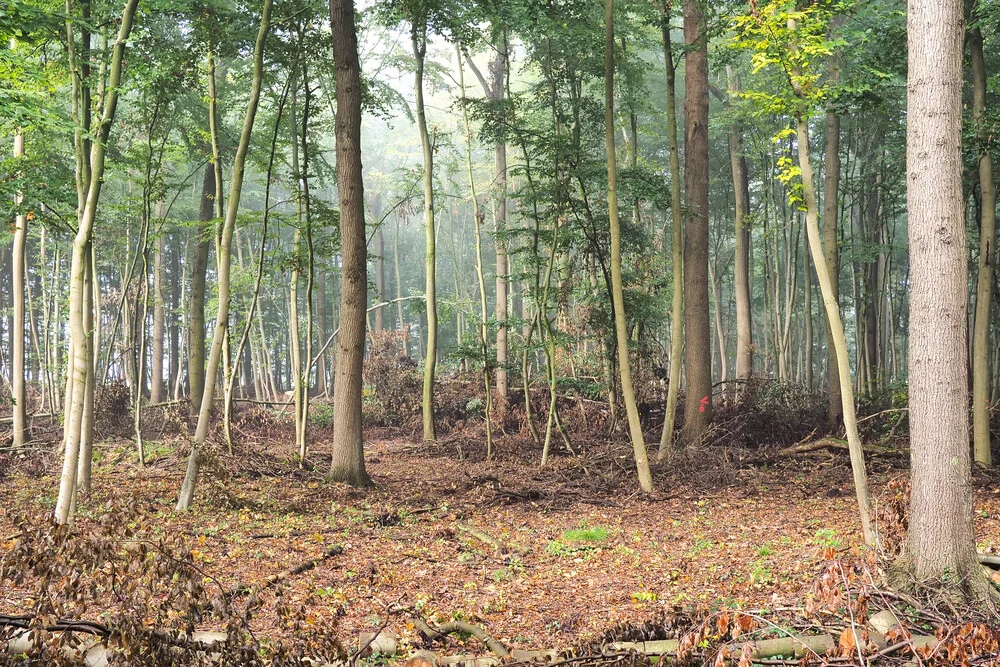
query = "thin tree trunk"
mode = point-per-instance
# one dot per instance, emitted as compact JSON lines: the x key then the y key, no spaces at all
{"x":617,"y":290}
{"x":677,"y":251}
{"x":484,"y":339}
{"x":987,"y":252}
{"x":196,"y":303}
{"x":224,"y":264}
{"x":419,"y":38}
{"x":19,"y":393}
{"x":159,"y":312}
{"x":831,"y":208}
{"x":82,"y":359}
{"x":741,"y":259}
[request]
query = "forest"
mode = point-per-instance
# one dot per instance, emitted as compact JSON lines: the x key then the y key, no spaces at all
{"x":467,"y":333}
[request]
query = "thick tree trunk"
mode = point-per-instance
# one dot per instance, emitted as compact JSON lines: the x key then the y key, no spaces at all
{"x":987,"y":253}
{"x":941,"y":543}
{"x":348,"y":461}
{"x":221,"y":336}
{"x":697,"y":328}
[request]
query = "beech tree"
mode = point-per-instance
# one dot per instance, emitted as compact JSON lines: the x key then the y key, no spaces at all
{"x":941,"y":545}
{"x":224,"y":260}
{"x":90,"y":173}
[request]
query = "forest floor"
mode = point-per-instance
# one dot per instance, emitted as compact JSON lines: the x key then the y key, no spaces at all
{"x":725,"y":528}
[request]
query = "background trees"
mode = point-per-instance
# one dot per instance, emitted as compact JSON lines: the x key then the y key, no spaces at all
{"x":362,"y":159}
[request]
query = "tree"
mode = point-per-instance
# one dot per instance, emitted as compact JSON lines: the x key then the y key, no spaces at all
{"x":621,"y":326}
{"x":941,"y":545}
{"x":790,"y":40}
{"x":697,"y":330}
{"x":676,"y":247}
{"x":741,"y":261}
{"x":987,"y":254}
{"x":418,"y":34}
{"x":19,"y":394}
{"x":81,"y":375}
{"x":224,"y":254}
{"x":348,"y":463}
{"x":831,"y":210}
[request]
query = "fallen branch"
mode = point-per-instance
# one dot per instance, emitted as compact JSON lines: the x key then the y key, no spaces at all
{"x":829,"y":443}
{"x":274,"y":579}
{"x":483,"y":536}
{"x":987,"y":559}
{"x":450,"y":627}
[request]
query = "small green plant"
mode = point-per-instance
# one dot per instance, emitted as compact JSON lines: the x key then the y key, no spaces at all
{"x":586,"y":534}
{"x":644,"y":596}
{"x":321,"y":415}
{"x":827,"y":537}
{"x":765,"y":550}
{"x":577,"y":541}
{"x":701,"y":545}
{"x":474,"y":408}
{"x":761,"y":574}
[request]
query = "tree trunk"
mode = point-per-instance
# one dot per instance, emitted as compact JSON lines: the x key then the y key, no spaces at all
{"x":419,"y":38}
{"x":697,"y":328}
{"x":497,"y":69}
{"x":484,"y":340}
{"x":987,"y":252}
{"x":81,"y":341}
{"x":741,"y":258}
{"x":323,"y":326}
{"x":617,"y":290}
{"x":224,"y":264}
{"x":348,"y":461}
{"x":19,"y":394}
{"x":839,"y":339}
{"x":380,"y":295}
{"x":831,"y":208}
{"x":159,"y":312}
{"x":941,"y":544}
{"x":196,"y":303}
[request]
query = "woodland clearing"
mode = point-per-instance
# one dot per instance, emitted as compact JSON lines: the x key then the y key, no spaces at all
{"x":578,"y":555}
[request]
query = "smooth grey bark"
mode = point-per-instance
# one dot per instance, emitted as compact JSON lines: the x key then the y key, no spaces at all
{"x":987,"y":254}
{"x":81,"y":345}
{"x":741,"y":258}
{"x":941,"y":545}
{"x":19,"y":393}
